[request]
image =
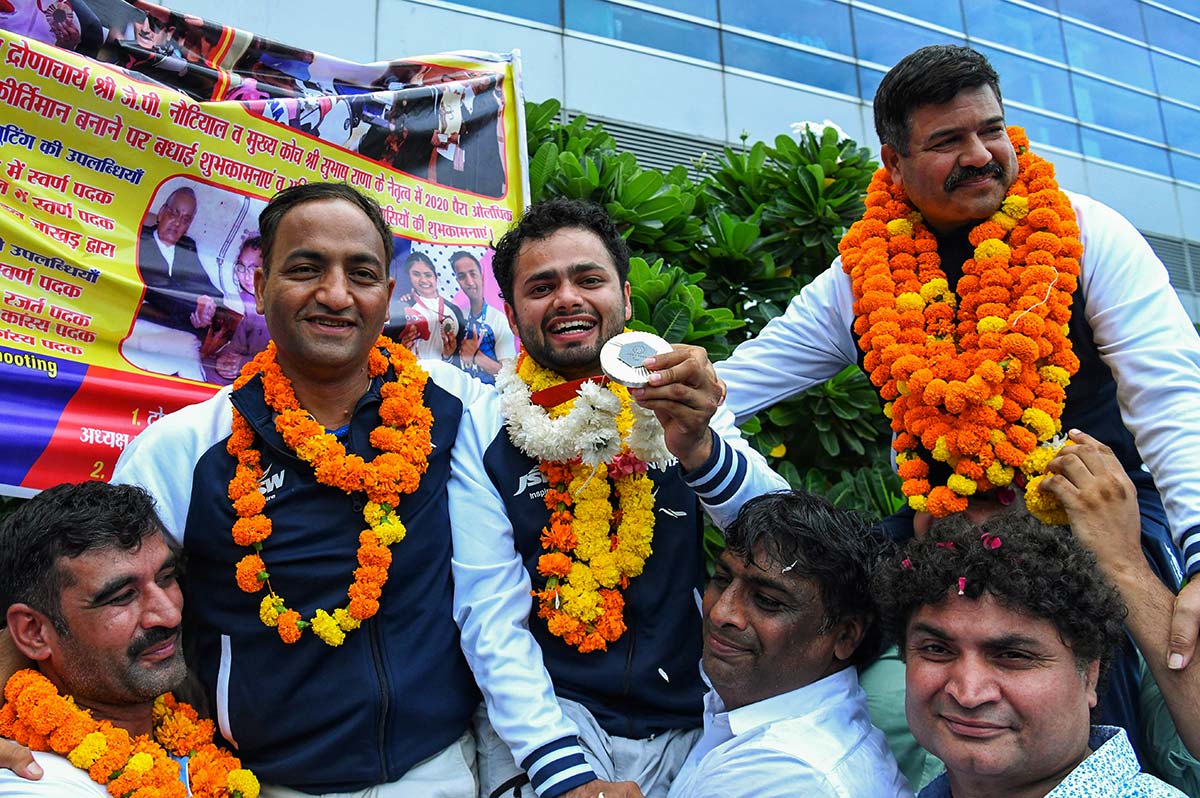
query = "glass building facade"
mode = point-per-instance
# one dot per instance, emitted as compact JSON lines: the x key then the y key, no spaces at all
{"x":1117,"y":81}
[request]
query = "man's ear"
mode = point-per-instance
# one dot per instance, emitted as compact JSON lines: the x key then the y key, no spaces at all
{"x":31,"y":632}
{"x":511,"y":315}
{"x":260,"y":287}
{"x":1091,"y":677}
{"x":891,"y":162}
{"x":847,"y":634}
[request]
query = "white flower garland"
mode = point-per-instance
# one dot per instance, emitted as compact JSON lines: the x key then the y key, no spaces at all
{"x":588,"y":432}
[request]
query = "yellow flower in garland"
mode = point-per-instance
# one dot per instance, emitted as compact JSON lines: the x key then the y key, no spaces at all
{"x":974,"y":378}
{"x":404,"y":440}
{"x":592,"y":551}
{"x":36,"y":716}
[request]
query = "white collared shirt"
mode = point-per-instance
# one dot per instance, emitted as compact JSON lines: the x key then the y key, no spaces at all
{"x":168,"y":253}
{"x":814,"y":741}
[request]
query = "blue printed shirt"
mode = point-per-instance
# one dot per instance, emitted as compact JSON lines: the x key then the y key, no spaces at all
{"x":1111,"y":771}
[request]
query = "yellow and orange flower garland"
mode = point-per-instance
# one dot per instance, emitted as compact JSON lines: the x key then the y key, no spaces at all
{"x":403,"y":438}
{"x":592,"y":550}
{"x":36,"y":716}
{"x":975,"y":379}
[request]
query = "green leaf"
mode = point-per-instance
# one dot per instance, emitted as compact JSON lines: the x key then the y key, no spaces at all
{"x":671,"y":319}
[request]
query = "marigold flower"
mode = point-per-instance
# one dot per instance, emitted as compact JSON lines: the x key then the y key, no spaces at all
{"x":288,"y":626}
{"x":251,"y":573}
{"x":270,"y":609}
{"x":243,"y":784}
{"x":1043,"y":506}
{"x":328,"y":629}
{"x":554,"y":564}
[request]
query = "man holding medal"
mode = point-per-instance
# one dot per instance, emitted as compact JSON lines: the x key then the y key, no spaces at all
{"x":994,"y":311}
{"x":589,"y":493}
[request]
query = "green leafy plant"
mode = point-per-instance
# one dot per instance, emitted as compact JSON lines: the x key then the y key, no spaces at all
{"x":716,"y":260}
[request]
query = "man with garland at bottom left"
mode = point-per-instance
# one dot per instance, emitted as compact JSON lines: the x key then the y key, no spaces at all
{"x":91,"y":594}
{"x":590,"y":494}
{"x":310,"y":498}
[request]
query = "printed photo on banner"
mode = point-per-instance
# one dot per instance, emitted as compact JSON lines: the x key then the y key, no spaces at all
{"x":447,"y":306}
{"x":196,"y":255}
{"x":137,"y":148}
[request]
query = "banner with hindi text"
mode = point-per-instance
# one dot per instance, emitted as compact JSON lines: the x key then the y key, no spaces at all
{"x":137,"y":148}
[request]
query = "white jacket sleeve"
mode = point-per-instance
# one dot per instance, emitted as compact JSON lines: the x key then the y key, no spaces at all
{"x":733,"y":474}
{"x":1145,"y":336}
{"x":491,"y":607}
{"x":807,"y":345}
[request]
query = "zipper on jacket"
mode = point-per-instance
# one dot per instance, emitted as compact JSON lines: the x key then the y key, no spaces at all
{"x":381,"y":683}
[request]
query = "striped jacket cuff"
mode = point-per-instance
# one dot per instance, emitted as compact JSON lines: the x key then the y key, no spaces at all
{"x":1191,"y":551}
{"x":718,"y":480}
{"x":557,"y":767}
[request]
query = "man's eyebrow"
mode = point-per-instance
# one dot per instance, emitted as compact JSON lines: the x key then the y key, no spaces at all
{"x":929,"y":629}
{"x":118,"y":583}
{"x":313,"y":254}
{"x":572,"y":270}
{"x":791,"y":588}
{"x":109,"y":589}
{"x":948,"y":131}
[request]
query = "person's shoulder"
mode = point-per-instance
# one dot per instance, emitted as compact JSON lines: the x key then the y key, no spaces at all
{"x":456,"y":382}
{"x":196,"y":425}
{"x":1091,"y":212}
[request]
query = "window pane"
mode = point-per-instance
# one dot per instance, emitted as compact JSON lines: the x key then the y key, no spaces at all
{"x":1105,"y":55}
{"x":546,"y":11}
{"x":1017,"y":27}
{"x":1120,"y":109}
{"x":1115,"y":15}
{"x":706,"y":9}
{"x":816,"y":23}
{"x":1045,"y":129}
{"x":1031,"y":82}
{"x":1176,"y":78}
{"x":1121,"y":150}
{"x":868,"y":82}
{"x":1183,"y":126}
{"x":637,"y":27}
{"x":1186,"y":167}
{"x":885,"y":40}
{"x":783,"y":62}
{"x":1172,"y":32}
{"x":948,"y":14}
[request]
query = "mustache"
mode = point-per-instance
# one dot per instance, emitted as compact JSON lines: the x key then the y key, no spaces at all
{"x":964,"y":173}
{"x":151,"y":638}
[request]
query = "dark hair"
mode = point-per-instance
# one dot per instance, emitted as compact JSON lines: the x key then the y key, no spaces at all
{"x":930,"y":76}
{"x":253,"y":242}
{"x":462,"y":253}
{"x":815,"y":540}
{"x":417,"y":257}
{"x":542,"y":220}
{"x":1037,"y":569}
{"x":284,"y":201}
{"x":66,"y":521}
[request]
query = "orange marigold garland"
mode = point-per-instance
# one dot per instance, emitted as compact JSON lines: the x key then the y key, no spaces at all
{"x":973,"y":378}
{"x":404,"y":440}
{"x":36,"y":715}
{"x":593,"y":550}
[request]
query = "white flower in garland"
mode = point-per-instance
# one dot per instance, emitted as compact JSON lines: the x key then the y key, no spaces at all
{"x":588,"y":432}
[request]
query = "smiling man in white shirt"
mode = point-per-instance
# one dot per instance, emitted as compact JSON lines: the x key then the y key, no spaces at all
{"x":788,"y":615}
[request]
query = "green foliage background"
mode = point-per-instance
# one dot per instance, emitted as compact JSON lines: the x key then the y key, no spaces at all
{"x":716,"y":259}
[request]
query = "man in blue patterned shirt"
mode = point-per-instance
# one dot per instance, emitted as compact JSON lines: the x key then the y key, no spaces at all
{"x":1006,"y":629}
